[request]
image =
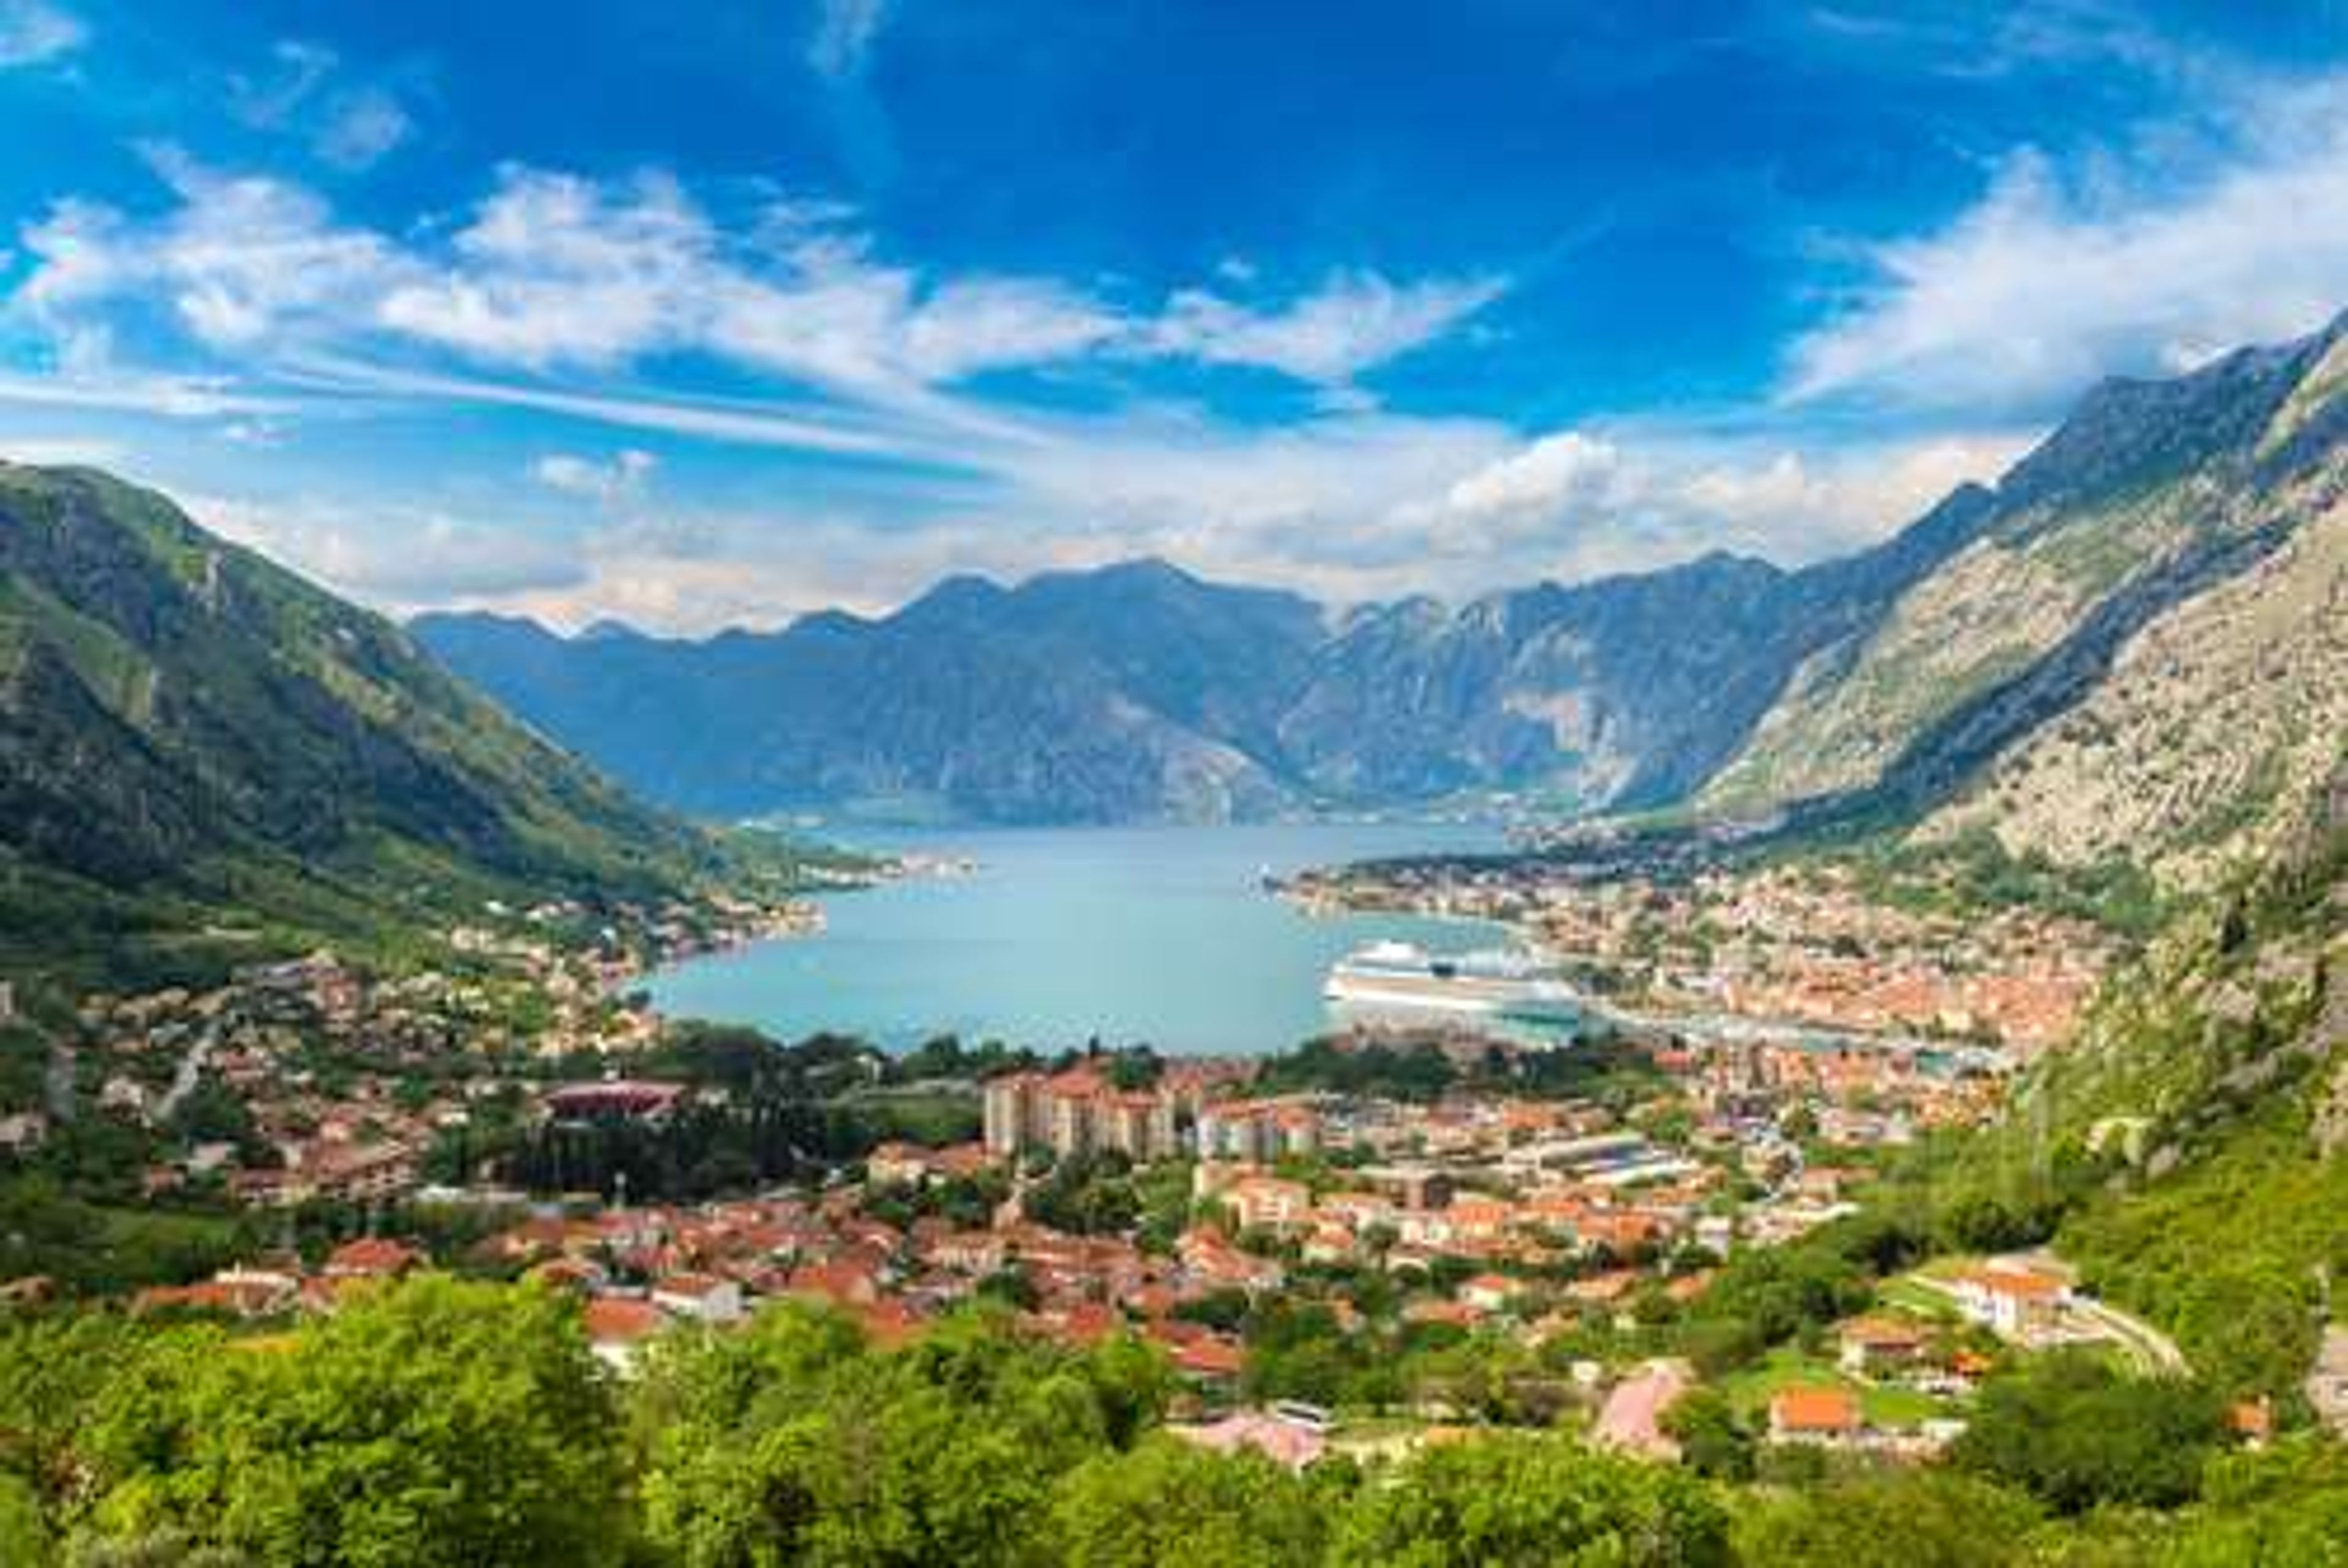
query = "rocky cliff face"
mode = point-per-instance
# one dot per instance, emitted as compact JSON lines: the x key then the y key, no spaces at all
{"x":2140,"y":655}
{"x":1885,"y":682}
{"x":1138,"y":692}
{"x":2151,"y":494}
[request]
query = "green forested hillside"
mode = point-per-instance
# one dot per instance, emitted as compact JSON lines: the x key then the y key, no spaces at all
{"x":2189,"y":1151}
{"x":199,"y":751}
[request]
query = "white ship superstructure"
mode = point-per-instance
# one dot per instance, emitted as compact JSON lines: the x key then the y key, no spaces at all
{"x":1509,"y":983}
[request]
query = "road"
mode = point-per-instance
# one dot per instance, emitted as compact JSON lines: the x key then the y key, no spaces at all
{"x":1633,"y":1419}
{"x":184,"y":1079}
{"x":2148,"y":1348}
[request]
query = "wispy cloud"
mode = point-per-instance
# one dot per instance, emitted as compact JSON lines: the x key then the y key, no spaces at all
{"x":621,"y":478}
{"x":2059,"y":275}
{"x":1354,"y":321}
{"x":306,"y":94}
{"x":845,"y":31}
{"x":33,"y":32}
{"x":553,"y":272}
{"x":397,"y":555}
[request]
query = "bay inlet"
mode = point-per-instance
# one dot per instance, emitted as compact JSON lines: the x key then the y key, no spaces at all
{"x":1161,"y":935}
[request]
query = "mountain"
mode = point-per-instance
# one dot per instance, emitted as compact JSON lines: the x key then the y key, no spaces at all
{"x":193,"y":739}
{"x":2190,"y":1147}
{"x":2140,"y":653}
{"x":2170,"y":555}
{"x":1139,"y":691}
{"x":1134,"y":691}
{"x":1626,"y":691}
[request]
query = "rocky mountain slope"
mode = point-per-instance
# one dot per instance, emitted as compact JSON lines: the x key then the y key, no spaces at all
{"x":1131,"y":693}
{"x":2140,"y":651}
{"x":192,"y":738}
{"x":1137,"y":691}
{"x":2126,"y":574}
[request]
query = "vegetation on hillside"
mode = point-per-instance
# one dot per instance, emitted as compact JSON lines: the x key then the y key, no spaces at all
{"x":440,"y":1423}
{"x":204,"y":760}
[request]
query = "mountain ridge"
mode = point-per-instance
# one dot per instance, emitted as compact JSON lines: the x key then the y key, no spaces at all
{"x":1879,"y":682}
{"x":191,"y":734}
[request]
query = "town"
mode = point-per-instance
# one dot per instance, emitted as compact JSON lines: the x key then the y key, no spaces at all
{"x":1361,"y":1246}
{"x":1765,"y":950}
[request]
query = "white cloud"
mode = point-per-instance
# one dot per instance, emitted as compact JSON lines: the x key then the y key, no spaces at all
{"x":1349,"y":507}
{"x":845,"y":32}
{"x":240,"y":261}
{"x":554,"y":270}
{"x":349,"y":128}
{"x":552,"y":273}
{"x":396,"y":557}
{"x":621,"y":478}
{"x":102,"y":390}
{"x":58,"y":451}
{"x":1578,"y":504}
{"x":1354,"y":321}
{"x":2052,"y":278}
{"x":1557,"y":471}
{"x":362,"y":129}
{"x":33,"y":32}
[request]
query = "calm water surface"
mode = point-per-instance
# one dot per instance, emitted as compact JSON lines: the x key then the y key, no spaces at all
{"x":1151,"y":934}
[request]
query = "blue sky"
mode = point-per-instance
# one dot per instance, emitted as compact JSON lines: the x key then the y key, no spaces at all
{"x":706,"y":315}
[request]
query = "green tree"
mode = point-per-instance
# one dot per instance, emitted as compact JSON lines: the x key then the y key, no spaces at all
{"x":1920,"y":1519}
{"x":2077,"y":1434}
{"x":795,"y":1442}
{"x":1499,"y":1502}
{"x":1713,"y":1440}
{"x":24,"y":1532}
{"x":1168,"y":1503}
{"x":434,"y":1423}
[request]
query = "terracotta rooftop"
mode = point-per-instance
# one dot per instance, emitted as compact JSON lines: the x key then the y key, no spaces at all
{"x":1814,"y":1410}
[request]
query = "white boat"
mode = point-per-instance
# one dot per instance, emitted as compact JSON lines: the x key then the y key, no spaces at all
{"x":1509,"y":983}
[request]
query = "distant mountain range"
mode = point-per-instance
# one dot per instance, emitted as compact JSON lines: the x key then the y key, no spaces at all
{"x":1899,"y":678}
{"x":198,"y":749}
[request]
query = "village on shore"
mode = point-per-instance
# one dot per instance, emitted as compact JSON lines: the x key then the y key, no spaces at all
{"x":1768,"y":1037}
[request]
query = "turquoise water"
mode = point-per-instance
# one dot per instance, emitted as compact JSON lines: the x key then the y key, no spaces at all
{"x":1156,"y":935}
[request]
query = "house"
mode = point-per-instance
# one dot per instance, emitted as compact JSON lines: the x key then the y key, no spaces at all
{"x":618,"y":1327}
{"x":371,"y":1257}
{"x":1489,"y":1292}
{"x":843,"y":1282}
{"x":2010,"y":1301}
{"x":1213,"y":1262}
{"x":698,"y":1297}
{"x":1872,"y":1346}
{"x":1268,"y":1202}
{"x":1290,"y":1443}
{"x":901,"y":1164}
{"x":233,"y":1292}
{"x":1198,"y":1352}
{"x":1828,"y":1417}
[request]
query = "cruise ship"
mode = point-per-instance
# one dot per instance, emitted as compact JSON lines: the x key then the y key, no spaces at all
{"x":1506,"y":983}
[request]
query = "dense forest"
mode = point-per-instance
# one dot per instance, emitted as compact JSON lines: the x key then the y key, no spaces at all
{"x":438,"y":1423}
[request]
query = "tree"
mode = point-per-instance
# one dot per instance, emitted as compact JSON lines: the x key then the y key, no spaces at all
{"x":2076,"y":1434}
{"x":1923,"y":1519}
{"x":433,"y":1424}
{"x":795,"y":1442}
{"x":1529,"y":1501}
{"x":1170,"y":1503}
{"x":23,"y":1533}
{"x":1713,"y":1440}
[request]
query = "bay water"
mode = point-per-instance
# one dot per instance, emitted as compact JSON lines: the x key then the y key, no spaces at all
{"x":1161,"y":935}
